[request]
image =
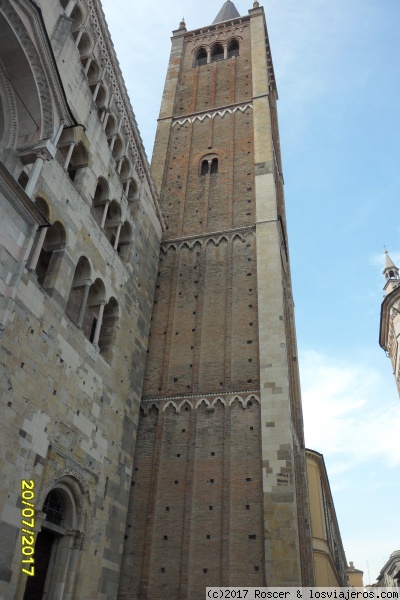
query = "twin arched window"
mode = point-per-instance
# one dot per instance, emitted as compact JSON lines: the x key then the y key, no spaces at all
{"x":209,"y":166}
{"x":88,"y":309}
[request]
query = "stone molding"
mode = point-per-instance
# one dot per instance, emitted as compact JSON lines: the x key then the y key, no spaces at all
{"x":118,"y":88}
{"x":227,"y":28}
{"x":211,"y":115}
{"x":206,"y":397}
{"x":10,"y":130}
{"x":214,"y":236}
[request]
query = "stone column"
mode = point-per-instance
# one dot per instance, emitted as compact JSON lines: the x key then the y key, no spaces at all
{"x":103,"y":220}
{"x":78,"y":38}
{"x":104,"y":118}
{"x":225,"y":51}
{"x":112,"y":142}
{"x":99,"y":324}
{"x":70,"y":151}
{"x":39,"y":245}
{"x":96,"y":91}
{"x":83,"y":303}
{"x":88,"y":63}
{"x":70,"y":7}
{"x":34,"y":176}
{"x":117,"y":236}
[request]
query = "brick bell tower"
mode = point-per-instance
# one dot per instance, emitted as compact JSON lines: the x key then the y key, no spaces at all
{"x":219,"y":493}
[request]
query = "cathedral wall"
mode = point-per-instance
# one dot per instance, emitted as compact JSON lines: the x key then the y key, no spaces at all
{"x":70,"y":405}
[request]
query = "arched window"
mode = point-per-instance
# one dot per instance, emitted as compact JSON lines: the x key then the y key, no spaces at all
{"x":201,"y":57}
{"x":209,"y":165}
{"x":100,"y":199}
{"x":112,"y":223}
{"x":214,"y":166}
{"x":233,"y":48}
{"x":111,"y":126}
{"x":205,"y":167}
{"x":131,"y":190}
{"x":78,"y":296}
{"x":22,"y":98}
{"x":76,"y":16}
{"x":125,"y":170}
{"x":217,"y":52}
{"x":108,"y":328}
{"x":96,"y":300}
{"x":84,"y":44}
{"x":99,"y":95}
{"x":50,"y":256}
{"x":118,"y":148}
{"x":124,"y":241}
{"x":79,"y":160}
{"x":93,"y":73}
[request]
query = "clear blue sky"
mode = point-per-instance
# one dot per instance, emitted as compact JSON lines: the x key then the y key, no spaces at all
{"x":337,"y":66}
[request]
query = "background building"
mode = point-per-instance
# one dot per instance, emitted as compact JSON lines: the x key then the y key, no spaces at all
{"x":329,"y":558}
{"x":390,"y":573}
{"x":390,"y":317}
{"x":354,"y":576}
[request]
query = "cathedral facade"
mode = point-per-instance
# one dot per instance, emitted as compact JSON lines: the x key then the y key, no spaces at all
{"x":150,"y":398}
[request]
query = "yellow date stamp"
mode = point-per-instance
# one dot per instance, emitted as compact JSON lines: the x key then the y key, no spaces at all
{"x":28,"y":527}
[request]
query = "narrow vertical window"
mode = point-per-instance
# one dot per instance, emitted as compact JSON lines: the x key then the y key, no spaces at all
{"x":204,"y":167}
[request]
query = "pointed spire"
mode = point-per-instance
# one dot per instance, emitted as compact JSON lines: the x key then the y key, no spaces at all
{"x":391,"y":273}
{"x":388,"y":262}
{"x":227,"y":12}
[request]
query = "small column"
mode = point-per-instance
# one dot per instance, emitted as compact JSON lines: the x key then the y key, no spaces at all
{"x":70,"y":7}
{"x":104,"y":117}
{"x":88,"y":63}
{"x":36,"y":253}
{"x":127,"y":187}
{"x":103,"y":219}
{"x":99,"y":324}
{"x":96,"y":91}
{"x":78,"y":38}
{"x":225,"y":50}
{"x":84,"y":303}
{"x":117,"y":236}
{"x":114,"y":137}
{"x":70,"y":151}
{"x":208,"y":55}
{"x":34,"y":176}
{"x":119,"y":166}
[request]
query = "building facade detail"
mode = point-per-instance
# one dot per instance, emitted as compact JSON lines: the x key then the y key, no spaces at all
{"x":148,"y":361}
{"x":389,"y":330}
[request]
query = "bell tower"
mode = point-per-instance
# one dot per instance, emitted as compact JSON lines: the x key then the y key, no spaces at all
{"x":389,"y":330}
{"x":219,"y":493}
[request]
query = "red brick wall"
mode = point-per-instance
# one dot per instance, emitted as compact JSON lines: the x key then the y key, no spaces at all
{"x":196,"y":495}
